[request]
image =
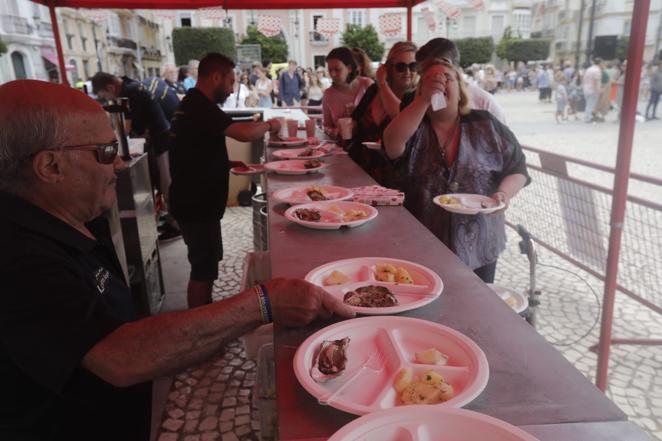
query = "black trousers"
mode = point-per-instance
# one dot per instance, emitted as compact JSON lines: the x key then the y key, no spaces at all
{"x":486,"y":272}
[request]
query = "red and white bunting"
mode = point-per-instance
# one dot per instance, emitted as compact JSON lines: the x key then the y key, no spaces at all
{"x":479,"y":5}
{"x":215,"y":13}
{"x":430,"y":20}
{"x":328,"y":26}
{"x":269,"y":25}
{"x":390,"y":24}
{"x":97,"y":15}
{"x":165,"y":14}
{"x":451,"y":11}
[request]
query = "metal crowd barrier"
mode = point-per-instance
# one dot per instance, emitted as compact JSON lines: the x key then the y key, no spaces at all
{"x":567,"y":211}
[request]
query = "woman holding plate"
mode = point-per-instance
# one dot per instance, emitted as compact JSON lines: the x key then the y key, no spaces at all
{"x":380,"y":104}
{"x":455,"y":150}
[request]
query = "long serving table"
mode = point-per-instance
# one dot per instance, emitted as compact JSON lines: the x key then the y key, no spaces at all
{"x":531,"y":384}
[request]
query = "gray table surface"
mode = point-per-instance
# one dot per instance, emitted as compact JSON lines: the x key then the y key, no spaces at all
{"x":530,"y":383}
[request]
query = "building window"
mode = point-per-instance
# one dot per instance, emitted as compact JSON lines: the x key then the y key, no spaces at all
{"x":74,"y":71}
{"x":627,"y":27}
{"x":70,"y":38}
{"x":316,"y":18}
{"x":497,"y":25}
{"x":469,"y":22}
{"x":355,"y":17}
{"x":185,"y":20}
{"x":522,"y":21}
{"x":319,"y":60}
{"x":86,"y":68}
{"x":19,"y":66}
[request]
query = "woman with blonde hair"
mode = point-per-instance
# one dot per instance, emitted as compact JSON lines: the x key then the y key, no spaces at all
{"x":455,"y":150}
{"x":380,"y":104}
{"x":363,"y":61}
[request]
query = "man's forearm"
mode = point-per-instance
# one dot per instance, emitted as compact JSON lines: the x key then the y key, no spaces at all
{"x":247,"y":131}
{"x":156,"y":346}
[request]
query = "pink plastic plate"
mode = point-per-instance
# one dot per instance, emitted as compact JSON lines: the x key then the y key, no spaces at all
{"x":299,"y":195}
{"x":293,"y":167}
{"x":334,"y":214}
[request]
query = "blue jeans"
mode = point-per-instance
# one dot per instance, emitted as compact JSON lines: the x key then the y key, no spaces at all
{"x":591,"y":101}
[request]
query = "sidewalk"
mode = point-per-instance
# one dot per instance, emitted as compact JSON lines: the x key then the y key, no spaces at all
{"x":213,"y":401}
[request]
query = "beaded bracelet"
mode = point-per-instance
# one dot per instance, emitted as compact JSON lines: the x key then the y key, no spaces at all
{"x":263,"y":303}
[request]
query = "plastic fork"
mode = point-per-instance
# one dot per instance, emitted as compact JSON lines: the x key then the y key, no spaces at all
{"x":374,"y":363}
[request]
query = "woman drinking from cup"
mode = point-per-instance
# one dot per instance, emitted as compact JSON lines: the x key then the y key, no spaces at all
{"x":380,"y":104}
{"x":455,"y":150}
{"x":346,"y":91}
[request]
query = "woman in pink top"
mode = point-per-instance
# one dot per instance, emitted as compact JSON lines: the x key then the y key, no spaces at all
{"x":347,"y":89}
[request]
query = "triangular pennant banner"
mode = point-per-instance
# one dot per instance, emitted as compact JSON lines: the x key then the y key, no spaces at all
{"x":390,"y":24}
{"x":269,"y":25}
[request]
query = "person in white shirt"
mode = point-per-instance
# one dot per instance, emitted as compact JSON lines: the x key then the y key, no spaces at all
{"x":591,"y":88}
{"x":445,"y":49}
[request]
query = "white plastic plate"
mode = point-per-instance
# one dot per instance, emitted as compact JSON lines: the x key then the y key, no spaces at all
{"x":298,"y":195}
{"x":287,"y":142}
{"x":250,"y":169}
{"x":398,"y":339}
{"x":293,"y":167}
{"x":295,"y":153}
{"x":514,"y":299}
{"x":331,"y":213}
{"x":470,"y":204}
{"x":426,"y":423}
{"x":361,"y":271}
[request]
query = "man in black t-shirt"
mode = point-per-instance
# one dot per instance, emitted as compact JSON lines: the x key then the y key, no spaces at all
{"x":200,"y":169}
{"x":75,"y":359}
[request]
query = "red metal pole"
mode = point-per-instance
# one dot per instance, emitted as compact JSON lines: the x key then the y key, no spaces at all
{"x":58,"y":43}
{"x":623,"y":159}
{"x":409,"y":21}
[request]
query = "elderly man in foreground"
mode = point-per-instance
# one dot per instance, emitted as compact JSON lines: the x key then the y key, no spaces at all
{"x":75,"y":360}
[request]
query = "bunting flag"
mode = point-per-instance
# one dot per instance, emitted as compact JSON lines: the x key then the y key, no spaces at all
{"x":269,"y":25}
{"x":328,"y":26}
{"x":97,"y":15}
{"x":451,"y":11}
{"x":429,"y":18}
{"x":390,"y":24}
{"x":166,"y":14}
{"x":477,"y":4}
{"x":215,"y":13}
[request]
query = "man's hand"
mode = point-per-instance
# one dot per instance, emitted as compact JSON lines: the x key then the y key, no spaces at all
{"x":432,"y":82}
{"x":295,"y":302}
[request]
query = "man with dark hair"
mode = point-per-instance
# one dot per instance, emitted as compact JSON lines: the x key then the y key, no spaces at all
{"x":147,"y":118}
{"x":200,"y":169}
{"x":445,"y":49}
{"x":290,"y":85}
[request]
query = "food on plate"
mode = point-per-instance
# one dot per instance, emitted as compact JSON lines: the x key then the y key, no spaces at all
{"x":511,"y":301}
{"x":315,"y":193}
{"x":371,"y":296}
{"x":308,"y":214}
{"x":386,"y":272}
{"x":353,"y":215}
{"x":308,"y":151}
{"x":448,"y":200}
{"x":431,"y":356}
{"x":330,"y":360}
{"x":429,"y":388}
{"x":312,"y":163}
{"x":335,"y":278}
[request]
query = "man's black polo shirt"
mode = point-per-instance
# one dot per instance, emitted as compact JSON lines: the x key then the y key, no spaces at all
{"x":61,"y":294}
{"x":145,"y":114}
{"x":199,"y":165}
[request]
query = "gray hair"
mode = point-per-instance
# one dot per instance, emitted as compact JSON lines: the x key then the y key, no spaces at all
{"x":22,"y":134}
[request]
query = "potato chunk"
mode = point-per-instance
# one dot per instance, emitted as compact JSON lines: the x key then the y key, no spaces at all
{"x":431,"y":356}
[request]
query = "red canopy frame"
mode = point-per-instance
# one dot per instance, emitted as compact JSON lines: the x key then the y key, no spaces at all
{"x":640,"y":16}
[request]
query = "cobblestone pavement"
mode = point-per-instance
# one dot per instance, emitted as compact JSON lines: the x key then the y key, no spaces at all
{"x":214,"y":401}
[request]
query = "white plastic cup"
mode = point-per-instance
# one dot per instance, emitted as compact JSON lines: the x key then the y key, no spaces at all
{"x":345,"y":125}
{"x":292,"y":127}
{"x":281,"y":132}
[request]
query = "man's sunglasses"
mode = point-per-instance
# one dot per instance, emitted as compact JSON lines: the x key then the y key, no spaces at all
{"x":106,"y":153}
{"x":401,"y":67}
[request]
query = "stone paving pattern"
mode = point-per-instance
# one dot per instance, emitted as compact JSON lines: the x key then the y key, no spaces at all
{"x":213,"y":401}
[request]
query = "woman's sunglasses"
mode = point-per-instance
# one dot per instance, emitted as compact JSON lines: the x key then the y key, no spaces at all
{"x":402,"y":67}
{"x":106,"y":153}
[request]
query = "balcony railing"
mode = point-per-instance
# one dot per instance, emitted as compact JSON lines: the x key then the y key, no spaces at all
{"x":317,"y":39}
{"x":45,"y":30}
{"x":12,"y":24}
{"x":122,"y":42}
{"x":151,"y":52}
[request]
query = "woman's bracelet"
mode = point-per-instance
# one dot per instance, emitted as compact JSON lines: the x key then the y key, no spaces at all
{"x":263,"y":303}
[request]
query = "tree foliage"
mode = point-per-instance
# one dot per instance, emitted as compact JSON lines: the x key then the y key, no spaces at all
{"x":622,"y":48}
{"x":273,"y":48}
{"x":521,"y":49}
{"x":194,"y":43}
{"x":502,"y":48}
{"x":475,"y":50}
{"x":3,"y":48}
{"x":364,"y":38}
